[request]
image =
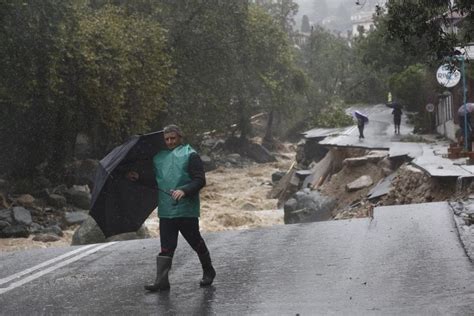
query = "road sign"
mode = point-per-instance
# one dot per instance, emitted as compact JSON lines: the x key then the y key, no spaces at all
{"x":429,"y":107}
{"x":448,"y":76}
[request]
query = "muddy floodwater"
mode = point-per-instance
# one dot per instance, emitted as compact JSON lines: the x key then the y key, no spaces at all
{"x":234,"y":198}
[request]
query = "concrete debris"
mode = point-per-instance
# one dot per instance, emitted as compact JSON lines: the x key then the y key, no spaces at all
{"x":360,"y":183}
{"x":308,"y":206}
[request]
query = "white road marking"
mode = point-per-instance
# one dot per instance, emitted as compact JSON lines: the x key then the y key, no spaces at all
{"x":52,"y":268}
{"x":44,"y":264}
{"x":349,"y":130}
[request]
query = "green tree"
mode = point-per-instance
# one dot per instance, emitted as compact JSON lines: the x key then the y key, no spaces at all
{"x":230,"y":60}
{"x":327,"y":59}
{"x":33,"y":36}
{"x":421,"y":25}
{"x":69,"y":68}
{"x":376,"y":57}
{"x":276,"y":80}
{"x":412,"y":87}
{"x":305,"y":27}
{"x":123,"y":73}
{"x":283,"y":11}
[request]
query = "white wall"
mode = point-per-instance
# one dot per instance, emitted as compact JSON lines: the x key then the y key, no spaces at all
{"x":448,"y":129}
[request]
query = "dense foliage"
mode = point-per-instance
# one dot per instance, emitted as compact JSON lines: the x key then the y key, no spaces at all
{"x":112,"y":68}
{"x":108,"y":69}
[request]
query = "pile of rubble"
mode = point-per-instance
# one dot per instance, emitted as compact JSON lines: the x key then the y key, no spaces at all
{"x":342,"y":183}
{"x":46,"y":215}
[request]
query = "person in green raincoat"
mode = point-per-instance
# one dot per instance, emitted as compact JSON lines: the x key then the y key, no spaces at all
{"x":180,"y":175}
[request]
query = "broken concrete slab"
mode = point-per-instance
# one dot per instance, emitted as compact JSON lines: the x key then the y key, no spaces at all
{"x":437,"y":166}
{"x":354,"y":142}
{"x":382,"y":187}
{"x":359,"y":183}
{"x":319,"y":172}
{"x":302,"y":174}
{"x":398,"y":149}
{"x":371,"y":157}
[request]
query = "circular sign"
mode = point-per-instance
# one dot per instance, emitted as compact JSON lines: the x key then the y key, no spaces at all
{"x":430,"y":107}
{"x":448,"y":76}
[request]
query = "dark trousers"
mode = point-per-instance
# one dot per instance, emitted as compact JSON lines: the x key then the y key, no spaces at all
{"x":469,"y":130}
{"x":189,"y":228}
{"x":396,"y":121}
{"x":361,"y":130}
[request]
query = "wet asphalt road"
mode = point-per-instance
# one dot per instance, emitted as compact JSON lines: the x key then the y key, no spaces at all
{"x":379,"y":132}
{"x":407,"y":260}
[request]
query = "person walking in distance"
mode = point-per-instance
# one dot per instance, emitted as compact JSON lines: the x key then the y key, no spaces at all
{"x":361,"y":120}
{"x":180,"y":176}
{"x":397,"y":117}
{"x":464,"y":118}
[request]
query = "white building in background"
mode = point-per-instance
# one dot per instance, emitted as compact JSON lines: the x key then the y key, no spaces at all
{"x":362,"y":19}
{"x":363,"y":15}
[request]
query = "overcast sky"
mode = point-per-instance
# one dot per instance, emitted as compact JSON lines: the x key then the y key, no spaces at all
{"x":308,"y":7}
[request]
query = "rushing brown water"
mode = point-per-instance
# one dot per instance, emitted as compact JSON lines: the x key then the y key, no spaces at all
{"x":234,"y":198}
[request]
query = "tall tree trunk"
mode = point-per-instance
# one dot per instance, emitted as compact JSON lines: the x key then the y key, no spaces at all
{"x":244,"y":121}
{"x":268,"y":138}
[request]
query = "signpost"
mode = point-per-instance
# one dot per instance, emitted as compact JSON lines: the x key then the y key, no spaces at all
{"x":430,"y":107}
{"x":449,"y":76}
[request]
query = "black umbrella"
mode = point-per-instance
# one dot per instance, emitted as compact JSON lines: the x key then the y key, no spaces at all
{"x":119,"y":205}
{"x":361,"y":116}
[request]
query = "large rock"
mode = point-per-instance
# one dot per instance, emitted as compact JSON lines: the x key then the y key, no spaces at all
{"x":78,"y":198}
{"x":3,"y":201}
{"x":259,"y":153}
{"x":56,"y":200}
{"x":26,"y":200}
{"x":16,"y":231}
{"x":73,"y":218}
{"x":141,"y":233}
{"x":6,"y":215}
{"x":22,"y":216}
{"x":308,"y":206}
{"x":208,"y":163}
{"x":276,"y":176}
{"x":359,"y":183}
{"x":248,"y":149}
{"x":4,"y":224}
{"x":88,"y":233}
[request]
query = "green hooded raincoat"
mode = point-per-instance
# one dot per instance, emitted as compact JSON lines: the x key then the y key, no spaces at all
{"x":171,"y":170}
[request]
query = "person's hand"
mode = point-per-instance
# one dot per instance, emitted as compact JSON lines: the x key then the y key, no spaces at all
{"x":177,"y":194}
{"x":132,"y":176}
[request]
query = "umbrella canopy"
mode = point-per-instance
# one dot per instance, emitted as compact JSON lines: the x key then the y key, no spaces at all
{"x":394,"y":105}
{"x":362,"y":116}
{"x":119,"y":205}
{"x":469,"y":107}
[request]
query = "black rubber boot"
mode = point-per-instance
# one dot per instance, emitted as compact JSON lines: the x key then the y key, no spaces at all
{"x":163,"y":266}
{"x":208,"y":270}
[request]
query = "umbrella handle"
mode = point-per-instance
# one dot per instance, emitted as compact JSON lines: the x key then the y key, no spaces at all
{"x":175,"y":202}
